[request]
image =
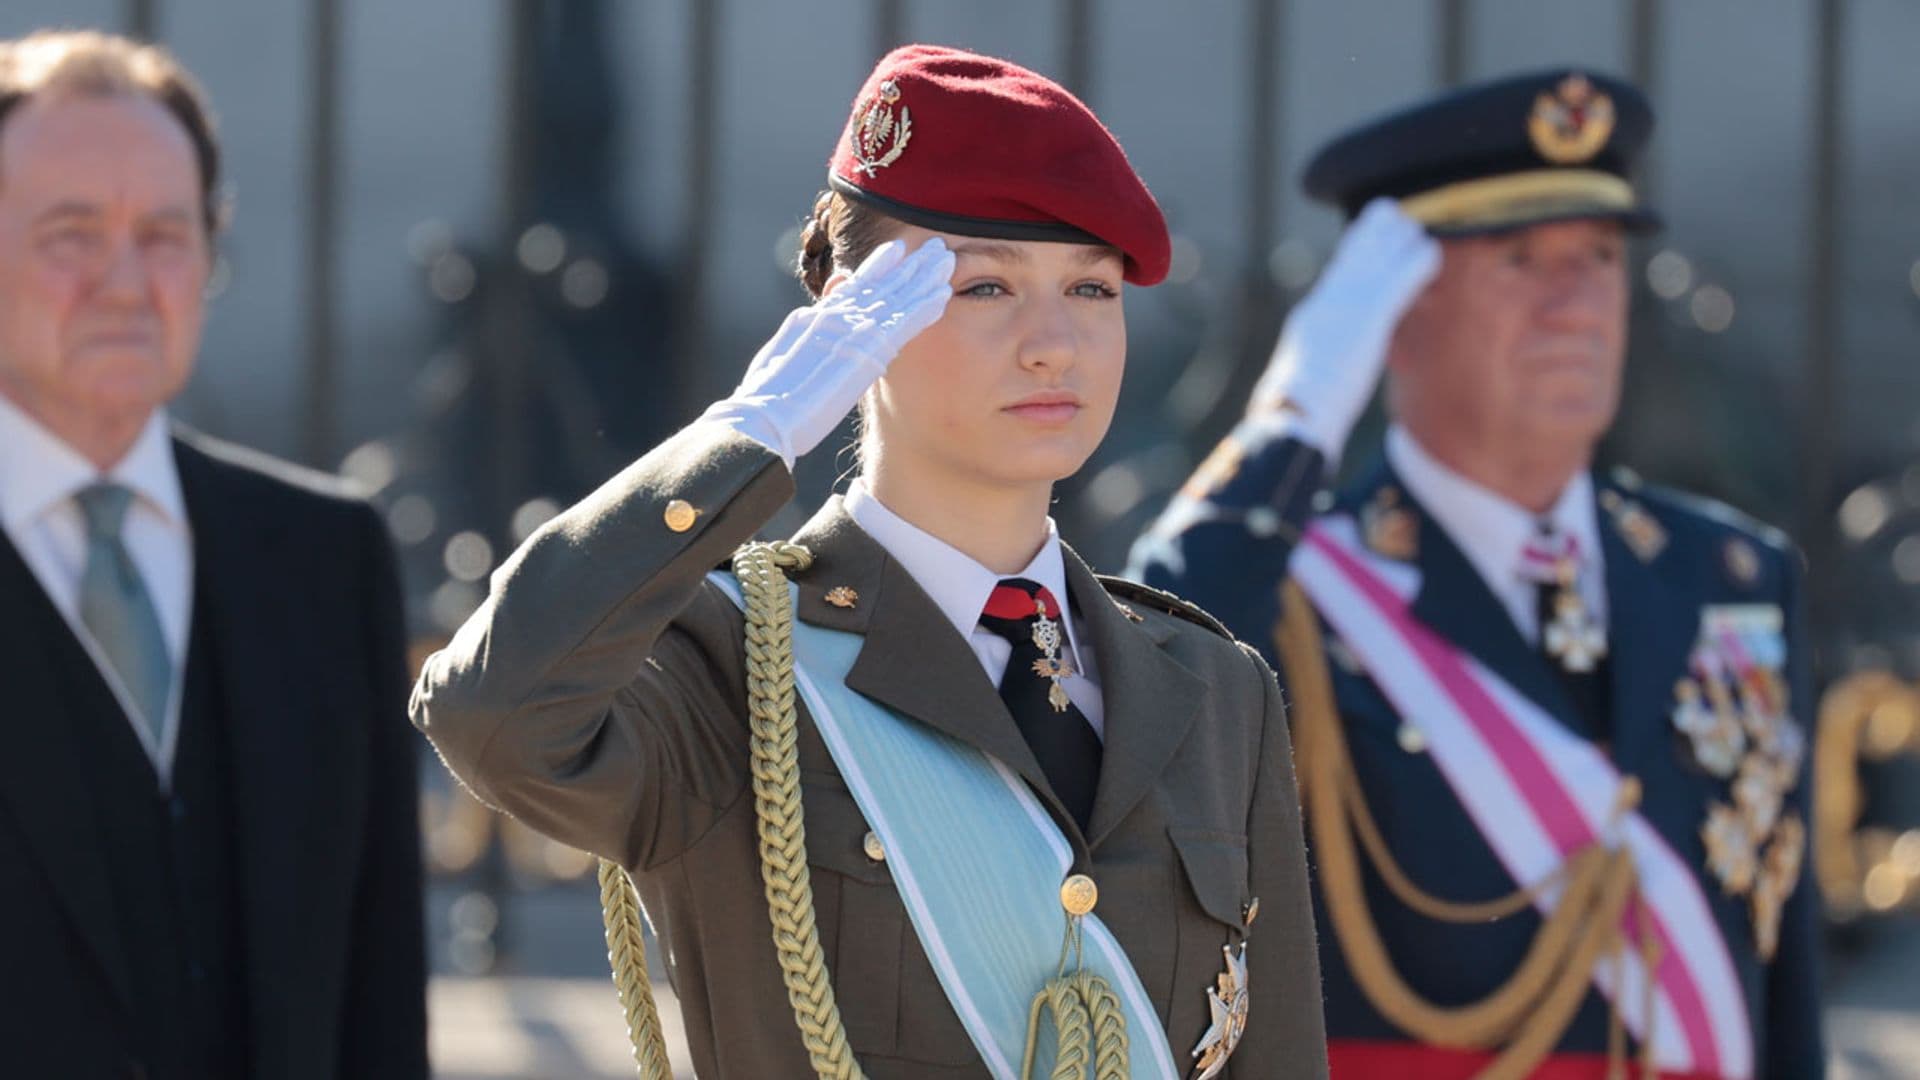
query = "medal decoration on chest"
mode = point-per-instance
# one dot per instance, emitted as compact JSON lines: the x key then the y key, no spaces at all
{"x":878,"y":137}
{"x":1572,"y":635}
{"x":1735,"y":711}
{"x":1228,"y":1005}
{"x":1051,"y":666}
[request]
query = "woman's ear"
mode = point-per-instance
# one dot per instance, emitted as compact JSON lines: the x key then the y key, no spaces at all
{"x":835,"y":280}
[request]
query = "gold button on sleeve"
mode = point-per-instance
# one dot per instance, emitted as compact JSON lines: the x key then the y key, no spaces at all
{"x":1078,"y":894}
{"x":680,"y":515}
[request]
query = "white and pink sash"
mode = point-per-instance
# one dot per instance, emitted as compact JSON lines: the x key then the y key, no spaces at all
{"x":1538,"y":793}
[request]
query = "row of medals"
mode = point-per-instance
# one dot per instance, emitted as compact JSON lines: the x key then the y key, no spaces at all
{"x":1738,"y":723}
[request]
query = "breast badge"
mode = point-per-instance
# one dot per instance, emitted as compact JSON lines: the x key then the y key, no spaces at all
{"x":1227,"y":1005}
{"x":1736,"y":714}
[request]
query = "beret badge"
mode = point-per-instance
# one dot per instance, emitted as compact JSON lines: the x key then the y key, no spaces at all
{"x":1572,"y":123}
{"x":879,"y":137}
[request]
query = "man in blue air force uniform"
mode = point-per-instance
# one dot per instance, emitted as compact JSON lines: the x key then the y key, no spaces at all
{"x":1519,"y":688}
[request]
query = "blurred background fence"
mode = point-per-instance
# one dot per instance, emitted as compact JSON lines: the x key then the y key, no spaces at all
{"x":487,"y":251}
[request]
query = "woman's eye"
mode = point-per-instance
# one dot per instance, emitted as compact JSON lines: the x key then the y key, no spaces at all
{"x":1095,"y":290}
{"x":985,"y":289}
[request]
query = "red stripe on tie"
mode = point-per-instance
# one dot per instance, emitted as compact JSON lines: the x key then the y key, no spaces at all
{"x":1009,"y":602}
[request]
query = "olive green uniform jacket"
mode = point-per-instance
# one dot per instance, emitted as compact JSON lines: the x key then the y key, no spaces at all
{"x":599,"y":695}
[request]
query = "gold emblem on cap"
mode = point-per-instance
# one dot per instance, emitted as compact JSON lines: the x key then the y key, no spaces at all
{"x":1078,"y":894}
{"x":878,"y":137}
{"x":1571,"y":124}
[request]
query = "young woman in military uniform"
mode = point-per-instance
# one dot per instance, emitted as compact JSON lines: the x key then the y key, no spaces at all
{"x":957,"y":808}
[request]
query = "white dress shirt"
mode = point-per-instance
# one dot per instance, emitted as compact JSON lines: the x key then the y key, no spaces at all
{"x":959,"y":587}
{"x":1492,"y":531}
{"x":39,"y":476}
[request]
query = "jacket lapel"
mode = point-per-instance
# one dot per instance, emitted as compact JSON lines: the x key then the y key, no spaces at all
{"x":40,"y":772}
{"x":289,"y":857}
{"x":1150,"y":699}
{"x":912,"y":660}
{"x":1653,"y":618}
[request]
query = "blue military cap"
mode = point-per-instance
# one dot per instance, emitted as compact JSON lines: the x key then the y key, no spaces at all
{"x":1544,"y":146}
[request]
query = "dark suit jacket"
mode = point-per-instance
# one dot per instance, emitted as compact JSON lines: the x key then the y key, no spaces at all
{"x":1225,"y":545}
{"x":600,"y":695}
{"x":300,"y":586}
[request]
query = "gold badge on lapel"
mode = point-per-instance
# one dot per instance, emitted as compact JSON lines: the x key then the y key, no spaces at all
{"x":878,"y":137}
{"x":841,"y":596}
{"x":1641,"y":531}
{"x":1571,"y":124}
{"x":1743,"y":562}
{"x":1390,"y":529}
{"x":1227,"y":1006}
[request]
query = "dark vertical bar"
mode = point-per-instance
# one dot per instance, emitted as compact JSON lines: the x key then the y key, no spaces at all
{"x":1821,"y":381}
{"x":141,"y":20}
{"x":322,"y":181}
{"x":1643,"y":67}
{"x":1450,"y":43}
{"x":889,"y":27}
{"x":1263,"y":151}
{"x":1076,"y":40}
{"x":509,"y":315}
{"x":703,"y":112}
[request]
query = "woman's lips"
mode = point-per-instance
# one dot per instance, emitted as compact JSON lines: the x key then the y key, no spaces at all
{"x":1046,"y":408}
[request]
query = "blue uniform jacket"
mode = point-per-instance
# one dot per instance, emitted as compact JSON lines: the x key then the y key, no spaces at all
{"x":1224,"y":544}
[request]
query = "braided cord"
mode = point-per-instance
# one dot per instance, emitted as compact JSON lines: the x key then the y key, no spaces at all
{"x":1523,"y":1018}
{"x":773,"y":733}
{"x":627,"y":955}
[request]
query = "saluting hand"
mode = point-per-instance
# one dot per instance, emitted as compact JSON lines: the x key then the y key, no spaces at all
{"x":1334,"y":344}
{"x":806,"y":379}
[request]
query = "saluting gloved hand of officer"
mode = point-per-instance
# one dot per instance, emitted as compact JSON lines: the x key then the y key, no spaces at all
{"x":814,"y":369}
{"x":1334,"y":344}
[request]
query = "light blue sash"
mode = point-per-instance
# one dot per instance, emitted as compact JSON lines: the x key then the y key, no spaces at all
{"x":985,"y":899}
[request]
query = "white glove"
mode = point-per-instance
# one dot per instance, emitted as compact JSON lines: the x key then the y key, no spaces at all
{"x":1334,"y":344}
{"x":811,"y":373}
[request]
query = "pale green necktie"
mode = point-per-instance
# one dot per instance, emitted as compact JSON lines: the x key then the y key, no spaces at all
{"x":116,"y":609}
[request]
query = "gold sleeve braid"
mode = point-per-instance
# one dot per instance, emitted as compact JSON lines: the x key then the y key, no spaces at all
{"x":1523,"y":1018}
{"x":1087,"y":1013}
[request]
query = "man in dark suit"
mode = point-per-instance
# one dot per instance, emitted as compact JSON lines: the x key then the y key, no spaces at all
{"x":1551,"y":724}
{"x":209,"y":865}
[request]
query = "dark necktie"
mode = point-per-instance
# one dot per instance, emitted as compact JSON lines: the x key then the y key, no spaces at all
{"x":1570,"y":638}
{"x":1026,"y":614}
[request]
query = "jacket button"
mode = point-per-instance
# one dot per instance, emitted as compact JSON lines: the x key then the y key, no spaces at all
{"x":680,"y":515}
{"x":874,"y":848}
{"x":1078,"y":894}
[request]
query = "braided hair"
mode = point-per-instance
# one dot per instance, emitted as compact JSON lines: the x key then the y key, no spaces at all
{"x":839,"y":233}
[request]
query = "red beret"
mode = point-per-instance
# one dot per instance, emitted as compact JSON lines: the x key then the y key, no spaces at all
{"x":962,"y":143}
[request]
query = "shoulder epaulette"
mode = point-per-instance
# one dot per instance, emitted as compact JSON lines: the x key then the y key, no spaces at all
{"x":1161,"y":600}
